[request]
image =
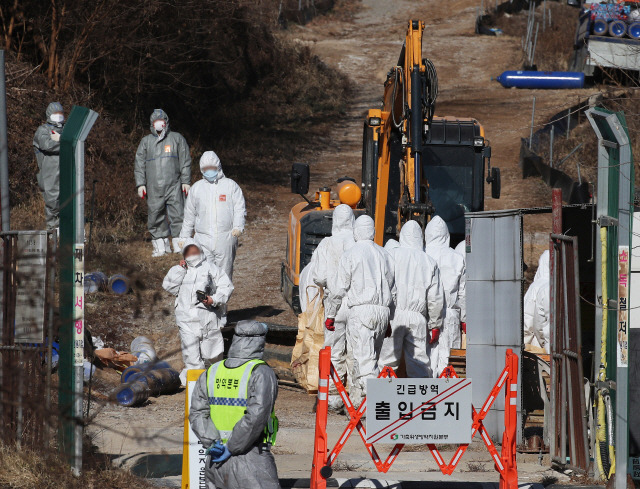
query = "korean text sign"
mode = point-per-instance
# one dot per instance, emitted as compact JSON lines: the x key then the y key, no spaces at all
{"x":419,"y":411}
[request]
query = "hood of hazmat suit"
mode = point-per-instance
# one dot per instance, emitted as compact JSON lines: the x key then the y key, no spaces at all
{"x":251,"y":464}
{"x":392,"y":244}
{"x":47,"y":151}
{"x":159,"y":114}
{"x":537,"y":306}
{"x":163,"y":165}
{"x":436,"y":234}
{"x":54,"y":108}
{"x":213,"y":210}
{"x":210,"y":159}
{"x":342,"y":220}
{"x":248,"y":342}
{"x":411,"y":236}
{"x":364,"y":229}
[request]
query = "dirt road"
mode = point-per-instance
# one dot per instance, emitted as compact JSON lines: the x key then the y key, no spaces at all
{"x":365,"y":49}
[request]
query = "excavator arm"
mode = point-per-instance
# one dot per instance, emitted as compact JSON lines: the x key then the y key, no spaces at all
{"x":408,"y":106}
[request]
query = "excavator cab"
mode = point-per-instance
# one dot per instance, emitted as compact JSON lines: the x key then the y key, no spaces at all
{"x":455,"y":154}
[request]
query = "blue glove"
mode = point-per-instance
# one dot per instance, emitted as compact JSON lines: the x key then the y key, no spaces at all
{"x":224,"y":456}
{"x":215,"y":450}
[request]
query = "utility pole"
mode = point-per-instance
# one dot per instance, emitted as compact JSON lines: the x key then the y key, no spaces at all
{"x":72,"y":140}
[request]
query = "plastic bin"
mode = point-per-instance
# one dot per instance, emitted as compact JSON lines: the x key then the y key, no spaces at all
{"x":94,"y":282}
{"x":119,"y":284}
{"x":143,"y":348}
{"x":132,"y":394}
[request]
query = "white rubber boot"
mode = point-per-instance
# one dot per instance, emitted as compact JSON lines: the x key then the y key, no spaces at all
{"x":158,"y":248}
{"x":178,"y":243}
{"x":167,"y":245}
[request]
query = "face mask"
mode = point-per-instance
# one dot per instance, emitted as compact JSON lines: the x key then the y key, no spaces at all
{"x":210,"y":175}
{"x":159,"y":125}
{"x":57,"y":118}
{"x":192,"y":260}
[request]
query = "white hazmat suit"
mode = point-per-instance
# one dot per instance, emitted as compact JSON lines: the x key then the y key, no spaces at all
{"x":419,"y":304}
{"x":306,"y":281}
{"x":452,"y":274}
{"x":324,"y":268}
{"x":365,"y":281}
{"x":462,"y":250}
{"x":216,"y":211}
{"x":537,"y":307}
{"x":391,"y":245}
{"x":199,"y":325}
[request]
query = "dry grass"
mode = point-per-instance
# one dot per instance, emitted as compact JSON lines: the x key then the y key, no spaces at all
{"x":555,"y":42}
{"x":257,"y":134}
{"x":587,"y":156}
{"x":24,"y":469}
{"x":476,"y":467}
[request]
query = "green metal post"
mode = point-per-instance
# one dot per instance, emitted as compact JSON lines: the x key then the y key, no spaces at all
{"x":75,"y":132}
{"x":615,"y":211}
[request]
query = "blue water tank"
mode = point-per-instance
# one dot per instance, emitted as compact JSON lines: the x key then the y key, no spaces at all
{"x":617,"y":28}
{"x":119,"y":284}
{"x":634,"y":30}
{"x":600,"y":27}
{"x":128,"y":372}
{"x":541,"y":79}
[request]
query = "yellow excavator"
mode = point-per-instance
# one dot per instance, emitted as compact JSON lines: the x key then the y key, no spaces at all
{"x":414,"y":165}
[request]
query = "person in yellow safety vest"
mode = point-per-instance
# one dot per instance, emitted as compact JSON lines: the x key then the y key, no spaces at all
{"x":232,"y":414}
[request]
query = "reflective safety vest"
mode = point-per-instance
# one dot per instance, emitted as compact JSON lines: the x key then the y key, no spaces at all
{"x":227,"y":392}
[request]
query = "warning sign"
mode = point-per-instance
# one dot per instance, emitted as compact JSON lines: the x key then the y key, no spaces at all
{"x":31,"y":273}
{"x":419,"y":411}
{"x":193,"y":455}
{"x":623,"y":306}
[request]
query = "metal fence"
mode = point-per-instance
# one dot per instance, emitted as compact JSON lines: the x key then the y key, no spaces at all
{"x":27,"y":279}
{"x":568,"y":438}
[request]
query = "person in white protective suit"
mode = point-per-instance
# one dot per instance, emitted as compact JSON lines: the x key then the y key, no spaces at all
{"x":215,"y":209}
{"x":324,"y":269}
{"x":419,"y":307}
{"x":461,"y":249}
{"x":537,"y":307}
{"x":199,"y":321}
{"x":452,"y":274}
{"x":365,"y":280}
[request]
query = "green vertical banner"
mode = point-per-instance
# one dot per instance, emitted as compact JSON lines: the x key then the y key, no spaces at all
{"x":70,"y":390}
